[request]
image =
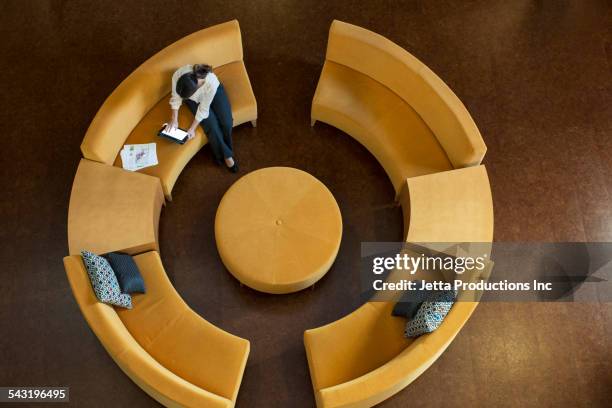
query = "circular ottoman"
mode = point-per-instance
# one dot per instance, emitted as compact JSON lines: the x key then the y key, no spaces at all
{"x":278,"y":230}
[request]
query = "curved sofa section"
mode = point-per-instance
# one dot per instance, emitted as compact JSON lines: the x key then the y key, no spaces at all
{"x":391,"y":102}
{"x":167,"y":349}
{"x":431,"y":149}
{"x":134,"y":111}
{"x":363,"y":358}
{"x":177,"y":357}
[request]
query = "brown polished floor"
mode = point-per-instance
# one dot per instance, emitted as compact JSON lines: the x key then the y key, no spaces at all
{"x":534,"y":74}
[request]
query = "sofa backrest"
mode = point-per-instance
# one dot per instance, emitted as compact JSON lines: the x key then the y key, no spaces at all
{"x":386,"y":62}
{"x":144,"y":87}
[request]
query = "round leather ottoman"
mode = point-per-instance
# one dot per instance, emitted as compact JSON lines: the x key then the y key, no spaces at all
{"x":278,"y":230}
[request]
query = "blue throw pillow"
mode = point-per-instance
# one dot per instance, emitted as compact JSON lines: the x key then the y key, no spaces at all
{"x":411,"y":301}
{"x":127,"y":272}
{"x":431,"y":314}
{"x":104,"y":282}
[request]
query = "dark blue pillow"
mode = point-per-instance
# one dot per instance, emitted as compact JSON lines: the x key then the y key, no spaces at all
{"x":128,"y":275}
{"x":410,"y":302}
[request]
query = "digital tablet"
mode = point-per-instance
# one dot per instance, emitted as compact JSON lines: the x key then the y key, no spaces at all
{"x":177,"y":135}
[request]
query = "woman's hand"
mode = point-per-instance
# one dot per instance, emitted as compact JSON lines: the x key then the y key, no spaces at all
{"x":190,"y":133}
{"x":173,"y":124}
{"x":170,"y":126}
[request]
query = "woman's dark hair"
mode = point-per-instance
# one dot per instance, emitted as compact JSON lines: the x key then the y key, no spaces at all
{"x":186,"y":85}
{"x":201,"y":70}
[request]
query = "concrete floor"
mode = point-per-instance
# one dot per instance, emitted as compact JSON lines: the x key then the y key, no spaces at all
{"x":534,"y":74}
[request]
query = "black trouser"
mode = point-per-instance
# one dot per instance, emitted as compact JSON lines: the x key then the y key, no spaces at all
{"x":218,"y":125}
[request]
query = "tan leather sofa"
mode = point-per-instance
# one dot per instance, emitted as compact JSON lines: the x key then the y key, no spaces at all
{"x":420,"y":132}
{"x":135,"y":110}
{"x":363,"y":358}
{"x":173,"y":354}
{"x":371,"y":89}
{"x":166,"y":348}
{"x":388,"y":100}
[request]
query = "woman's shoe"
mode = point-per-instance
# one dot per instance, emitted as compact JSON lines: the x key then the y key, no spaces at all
{"x":234,"y":168}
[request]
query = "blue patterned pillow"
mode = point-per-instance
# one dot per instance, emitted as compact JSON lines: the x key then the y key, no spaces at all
{"x":104,"y":281}
{"x":126,"y":271}
{"x":431,"y":314}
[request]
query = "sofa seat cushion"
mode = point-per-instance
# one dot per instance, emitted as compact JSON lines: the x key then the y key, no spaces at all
{"x":174,"y":157}
{"x":179,"y":339}
{"x":355,"y":345}
{"x":380,"y":120}
{"x":113,"y":210}
{"x":451,"y":206}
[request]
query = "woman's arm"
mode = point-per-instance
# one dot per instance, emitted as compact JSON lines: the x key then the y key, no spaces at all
{"x":173,"y":124}
{"x":206,"y":98}
{"x":175,"y":100}
{"x":192,"y":129}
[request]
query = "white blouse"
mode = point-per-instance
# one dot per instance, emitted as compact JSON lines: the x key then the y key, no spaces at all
{"x":203,"y":95}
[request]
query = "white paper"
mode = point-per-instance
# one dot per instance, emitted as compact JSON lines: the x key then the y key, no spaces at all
{"x":138,"y":156}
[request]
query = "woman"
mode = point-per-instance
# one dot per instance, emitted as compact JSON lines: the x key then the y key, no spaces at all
{"x":200,"y":89}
